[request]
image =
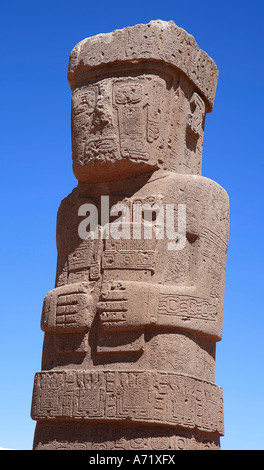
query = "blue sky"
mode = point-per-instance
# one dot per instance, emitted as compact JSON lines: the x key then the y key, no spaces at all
{"x":36,"y":40}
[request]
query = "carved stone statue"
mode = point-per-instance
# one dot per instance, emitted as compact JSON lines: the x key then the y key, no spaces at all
{"x":132,"y":323}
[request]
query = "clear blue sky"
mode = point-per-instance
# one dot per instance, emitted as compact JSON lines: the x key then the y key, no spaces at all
{"x":36,"y":40}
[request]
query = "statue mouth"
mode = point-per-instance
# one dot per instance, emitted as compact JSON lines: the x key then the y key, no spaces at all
{"x":109,"y":149}
{"x":101,"y":149}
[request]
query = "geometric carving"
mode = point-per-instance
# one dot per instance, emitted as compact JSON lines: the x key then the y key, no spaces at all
{"x":128,"y":260}
{"x":149,"y":397}
{"x":125,"y":437}
{"x":187,"y":307}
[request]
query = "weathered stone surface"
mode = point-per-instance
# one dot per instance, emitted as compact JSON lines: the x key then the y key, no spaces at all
{"x":132,"y":323}
{"x":136,"y":396}
{"x":58,"y":436}
{"x":126,"y":126}
{"x":158,"y":40}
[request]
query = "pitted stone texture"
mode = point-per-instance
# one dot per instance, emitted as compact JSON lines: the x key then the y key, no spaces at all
{"x":160,"y":41}
{"x":132,"y":323}
{"x":182,"y":289}
{"x":126,"y":126}
{"x":54,"y":435}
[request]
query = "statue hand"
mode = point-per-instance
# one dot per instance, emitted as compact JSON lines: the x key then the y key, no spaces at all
{"x":68,"y":308}
{"x":127,"y":305}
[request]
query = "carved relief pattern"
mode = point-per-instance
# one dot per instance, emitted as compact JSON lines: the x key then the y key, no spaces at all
{"x":139,"y":112}
{"x":115,"y":436}
{"x":187,"y":307}
{"x":196,"y":116}
{"x":152,"y":397}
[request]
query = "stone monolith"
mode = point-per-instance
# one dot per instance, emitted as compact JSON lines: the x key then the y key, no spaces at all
{"x":131,"y":326}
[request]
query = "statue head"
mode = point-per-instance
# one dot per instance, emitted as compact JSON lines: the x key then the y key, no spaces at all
{"x":139,"y":102}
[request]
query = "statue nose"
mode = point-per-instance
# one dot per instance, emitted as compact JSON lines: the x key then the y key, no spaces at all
{"x":99,"y":109}
{"x":101,"y":113}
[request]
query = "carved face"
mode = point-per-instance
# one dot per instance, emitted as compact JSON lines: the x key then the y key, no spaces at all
{"x":126,"y":126}
{"x":118,"y":126}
